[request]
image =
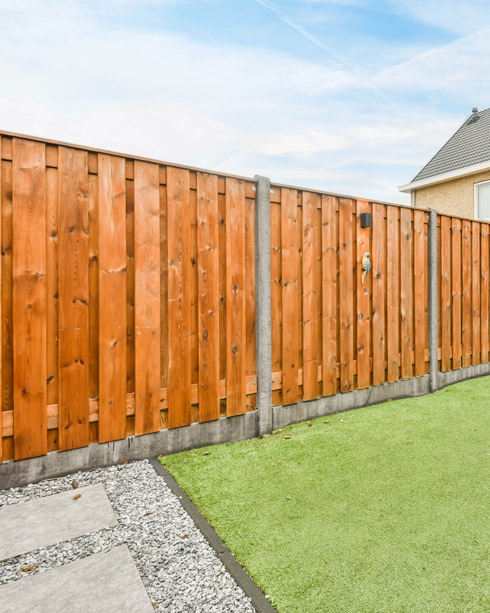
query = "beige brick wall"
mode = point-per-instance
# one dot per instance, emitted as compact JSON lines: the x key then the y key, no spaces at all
{"x":453,"y":197}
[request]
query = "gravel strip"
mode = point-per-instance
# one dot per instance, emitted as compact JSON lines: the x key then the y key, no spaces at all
{"x":179,"y":569}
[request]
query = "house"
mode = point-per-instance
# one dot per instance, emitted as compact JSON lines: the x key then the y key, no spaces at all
{"x":457,"y":179}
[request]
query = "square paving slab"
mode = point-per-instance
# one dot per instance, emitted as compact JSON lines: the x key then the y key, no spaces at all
{"x":46,"y":521}
{"x":102,"y":583}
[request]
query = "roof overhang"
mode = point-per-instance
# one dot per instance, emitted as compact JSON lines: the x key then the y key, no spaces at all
{"x":446,"y":176}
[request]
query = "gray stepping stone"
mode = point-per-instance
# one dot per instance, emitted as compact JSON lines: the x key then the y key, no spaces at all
{"x":103,"y":582}
{"x":46,"y":521}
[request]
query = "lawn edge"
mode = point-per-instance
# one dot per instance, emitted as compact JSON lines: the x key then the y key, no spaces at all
{"x":236,"y":570}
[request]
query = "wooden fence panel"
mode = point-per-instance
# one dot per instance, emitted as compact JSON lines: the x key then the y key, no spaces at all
{"x":208,"y":271}
{"x":456,"y":293}
{"x":420,"y":266}
{"x":112,"y":297}
{"x":179,"y":297}
{"x":445,"y":252}
{"x":235,"y":298}
{"x":466,"y":285}
{"x":379,"y":294}
{"x":393,"y":292}
{"x":346,"y":210}
{"x":311,"y":296}
{"x":29,"y":299}
{"x":73,"y":299}
{"x":406,"y":294}
{"x":329,"y":294}
{"x":363,"y":301}
{"x":475,"y":293}
{"x":147,"y":297}
{"x":484,"y":292}
{"x":290,"y":296}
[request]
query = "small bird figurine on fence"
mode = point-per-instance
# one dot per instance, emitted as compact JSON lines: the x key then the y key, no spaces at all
{"x":366,"y":265}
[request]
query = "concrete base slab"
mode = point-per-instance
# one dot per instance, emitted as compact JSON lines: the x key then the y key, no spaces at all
{"x":104,"y":582}
{"x":46,"y":521}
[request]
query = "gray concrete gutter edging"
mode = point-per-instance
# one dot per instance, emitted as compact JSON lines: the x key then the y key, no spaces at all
{"x":236,"y":570}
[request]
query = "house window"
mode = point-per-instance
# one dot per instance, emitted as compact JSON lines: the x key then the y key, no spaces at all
{"x":482,"y":200}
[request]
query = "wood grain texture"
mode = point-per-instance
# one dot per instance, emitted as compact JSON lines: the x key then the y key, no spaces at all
{"x":73,"y":290}
{"x":112,"y":297}
{"x":378,"y":272}
{"x":147,"y":296}
{"x":276,"y":293}
{"x":364,"y":294}
{"x":466,"y":299}
{"x":406,"y":292}
{"x":484,"y":288}
{"x":393,"y":293}
{"x":208,"y":291}
{"x":311,"y":296}
{"x":420,"y":264}
{"x":29,"y":299}
{"x":445,"y":299}
{"x":179,"y":297}
{"x":290,"y":296}
{"x":346,"y":209}
{"x":7,"y":378}
{"x":329,"y":295}
{"x":235,"y":298}
{"x":475,"y":294}
{"x":456,"y":292}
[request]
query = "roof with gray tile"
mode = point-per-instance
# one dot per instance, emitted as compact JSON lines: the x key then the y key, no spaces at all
{"x":468,"y":146}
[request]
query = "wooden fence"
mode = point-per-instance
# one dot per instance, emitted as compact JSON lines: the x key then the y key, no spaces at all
{"x":128,"y":300}
{"x":330,"y":332}
{"x":463,"y":256}
{"x":128,"y":295}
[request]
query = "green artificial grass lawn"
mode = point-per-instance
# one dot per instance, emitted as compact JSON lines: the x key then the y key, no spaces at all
{"x":385,"y":508}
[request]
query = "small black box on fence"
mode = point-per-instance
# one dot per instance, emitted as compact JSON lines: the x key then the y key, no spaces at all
{"x":365,"y":220}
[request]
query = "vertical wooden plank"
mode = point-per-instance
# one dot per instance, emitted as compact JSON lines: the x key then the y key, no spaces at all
{"x":29,"y":299}
{"x":6,"y":286}
{"x":466,"y":258}
{"x":179,"y":297}
{"x":93,"y":233}
{"x":311,"y":296}
{"x":290,"y":296}
{"x":378,"y":272}
{"x":420,"y":284}
{"x":445,"y":293}
{"x":147,"y":296}
{"x":329,"y":295}
{"x":1,"y":344}
{"x":276,"y":295}
{"x":406,"y":295}
{"x":363,"y":300}
{"x":235,"y":298}
{"x":475,"y":293}
{"x":250,"y":292}
{"x":484,"y":293}
{"x":194,"y":297}
{"x":112,"y":297}
{"x":346,"y":288}
{"x":130,"y":286}
{"x":393,"y":292}
{"x":52,"y":208}
{"x":208,"y":291}
{"x":456,"y":292}
{"x":73,"y":414}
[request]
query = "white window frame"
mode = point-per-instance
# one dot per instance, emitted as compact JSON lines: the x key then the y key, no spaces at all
{"x":475,"y":200}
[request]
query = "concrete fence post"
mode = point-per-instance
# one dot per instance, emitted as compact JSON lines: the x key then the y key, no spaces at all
{"x":263,"y":313}
{"x":433,"y":303}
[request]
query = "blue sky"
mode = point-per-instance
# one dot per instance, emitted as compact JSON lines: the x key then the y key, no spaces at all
{"x":352,"y":96}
